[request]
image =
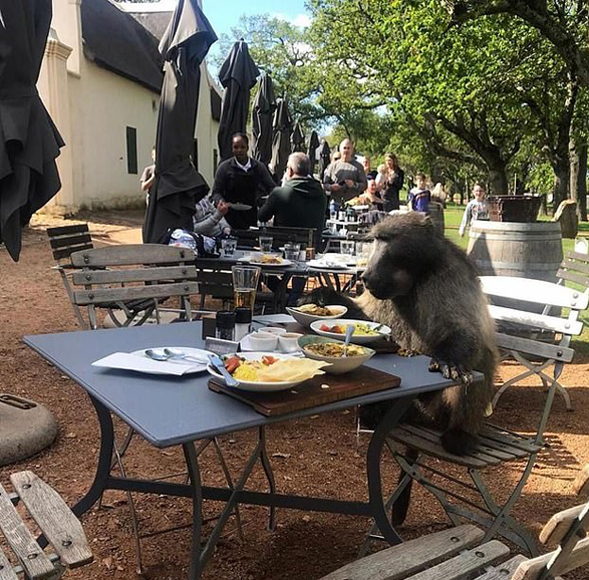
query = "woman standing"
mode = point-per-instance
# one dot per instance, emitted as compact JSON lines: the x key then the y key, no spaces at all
{"x":391,"y":182}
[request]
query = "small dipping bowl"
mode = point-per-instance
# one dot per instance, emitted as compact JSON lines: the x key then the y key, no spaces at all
{"x":276,"y":330}
{"x":263,"y":341}
{"x":289,"y":341}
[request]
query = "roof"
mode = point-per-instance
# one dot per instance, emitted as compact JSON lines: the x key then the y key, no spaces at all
{"x":155,"y":22}
{"x":114,"y":40}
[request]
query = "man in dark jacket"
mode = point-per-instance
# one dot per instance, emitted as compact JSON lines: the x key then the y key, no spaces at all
{"x":301,"y":202}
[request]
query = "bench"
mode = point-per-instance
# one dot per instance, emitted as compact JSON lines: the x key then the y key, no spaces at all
{"x":57,"y":523}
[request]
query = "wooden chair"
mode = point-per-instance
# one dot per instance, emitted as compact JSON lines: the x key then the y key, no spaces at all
{"x":128,"y":277}
{"x":456,"y":554}
{"x":412,"y":446}
{"x":575,"y":268}
{"x":57,"y":523}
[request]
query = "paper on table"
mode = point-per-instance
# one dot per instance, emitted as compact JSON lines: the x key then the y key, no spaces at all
{"x":141,"y":364}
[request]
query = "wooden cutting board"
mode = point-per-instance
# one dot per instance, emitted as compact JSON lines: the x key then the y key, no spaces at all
{"x":319,"y":390}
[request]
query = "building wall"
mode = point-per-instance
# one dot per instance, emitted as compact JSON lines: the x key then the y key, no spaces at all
{"x":102,"y":104}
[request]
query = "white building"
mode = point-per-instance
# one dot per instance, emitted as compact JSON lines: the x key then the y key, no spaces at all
{"x":100,"y":81}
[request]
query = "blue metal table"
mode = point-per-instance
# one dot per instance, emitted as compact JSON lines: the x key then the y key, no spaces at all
{"x":171,"y":411}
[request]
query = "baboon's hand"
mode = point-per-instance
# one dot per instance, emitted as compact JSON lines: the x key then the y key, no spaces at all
{"x":449,"y":371}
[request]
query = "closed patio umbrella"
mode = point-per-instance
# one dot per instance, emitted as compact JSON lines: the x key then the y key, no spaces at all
{"x":324,"y":159}
{"x":298,"y":139}
{"x":282,"y":128}
{"x":237,"y":75}
{"x":312,"y":151}
{"x":178,"y":185}
{"x":29,"y":141}
{"x":262,"y":116}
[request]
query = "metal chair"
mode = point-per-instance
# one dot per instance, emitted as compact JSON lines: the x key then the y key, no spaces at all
{"x":412,"y":446}
{"x":457,"y":553}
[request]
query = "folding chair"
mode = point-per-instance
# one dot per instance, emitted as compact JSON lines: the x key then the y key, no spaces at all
{"x":115,"y":275}
{"x":412,"y":446}
{"x":59,"y":526}
{"x":575,"y":268}
{"x":455,"y":554}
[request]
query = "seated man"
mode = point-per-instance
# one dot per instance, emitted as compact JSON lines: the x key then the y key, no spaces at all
{"x":301,"y":202}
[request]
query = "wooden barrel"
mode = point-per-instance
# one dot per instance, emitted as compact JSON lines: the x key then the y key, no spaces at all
{"x":516,"y":249}
{"x":436,"y":214}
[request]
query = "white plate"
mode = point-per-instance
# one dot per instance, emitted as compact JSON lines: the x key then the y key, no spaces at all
{"x":197,"y":352}
{"x":239,"y":206}
{"x":266,"y":387}
{"x":255,"y":260}
{"x":321,"y":265}
{"x":384,"y":330}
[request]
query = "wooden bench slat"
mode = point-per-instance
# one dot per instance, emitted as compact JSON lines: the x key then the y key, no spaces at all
{"x":541,"y":321}
{"x":60,"y":526}
{"x":131,"y":254}
{"x":500,"y":435}
{"x":435,"y":437}
{"x":534,"y":347}
{"x":576,"y":264}
{"x":463,"y":566}
{"x":67,"y":252}
{"x":67,"y":230}
{"x":578,"y":256}
{"x":87,"y":277}
{"x":410,"y":557}
{"x":573,"y":277}
{"x":19,"y":538}
{"x":429,"y":448}
{"x":559,"y":524}
{"x":68,"y":241}
{"x":531,"y":569}
{"x":504,"y":571}
{"x":100,"y":295}
{"x":6,"y":571}
{"x":581,"y":483}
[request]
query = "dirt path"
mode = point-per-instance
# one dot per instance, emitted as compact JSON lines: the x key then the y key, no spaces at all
{"x":316,"y":456}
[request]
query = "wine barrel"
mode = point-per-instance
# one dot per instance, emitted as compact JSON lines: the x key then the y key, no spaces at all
{"x":436,"y":214}
{"x":516,"y":249}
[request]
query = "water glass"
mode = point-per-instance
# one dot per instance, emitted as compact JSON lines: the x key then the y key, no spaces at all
{"x":265,"y":243}
{"x":228,"y":246}
{"x":292,"y":251}
{"x":348,"y":248}
{"x":245,"y":284}
{"x":363,"y":251}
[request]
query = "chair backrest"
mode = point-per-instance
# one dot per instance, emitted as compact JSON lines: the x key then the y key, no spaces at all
{"x":119,"y":275}
{"x":575,"y":268}
{"x":68,"y":239}
{"x":567,"y":528}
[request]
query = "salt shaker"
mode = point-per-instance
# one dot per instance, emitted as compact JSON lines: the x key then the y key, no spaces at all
{"x":243,"y":321}
{"x":225,"y":325}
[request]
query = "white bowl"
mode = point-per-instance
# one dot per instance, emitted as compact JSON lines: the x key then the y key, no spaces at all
{"x":306,"y":319}
{"x":256,"y":386}
{"x":356,"y":339}
{"x":262,"y":341}
{"x":289,"y":341}
{"x":273,"y":330}
{"x":338,"y":364}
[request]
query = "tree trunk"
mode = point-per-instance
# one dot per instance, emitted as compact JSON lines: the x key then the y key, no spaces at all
{"x":498,"y":179}
{"x":578,"y":177}
{"x":561,"y":183}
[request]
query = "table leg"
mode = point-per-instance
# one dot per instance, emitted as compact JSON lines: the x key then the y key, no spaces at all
{"x":269,"y":474}
{"x":373,"y":463}
{"x":196,"y":563}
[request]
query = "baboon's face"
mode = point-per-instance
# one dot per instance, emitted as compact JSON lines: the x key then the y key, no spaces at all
{"x":385,"y":275}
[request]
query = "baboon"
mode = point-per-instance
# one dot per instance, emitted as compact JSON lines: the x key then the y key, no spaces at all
{"x":426,"y":289}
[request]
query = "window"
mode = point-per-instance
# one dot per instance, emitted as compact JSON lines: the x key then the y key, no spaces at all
{"x":195,"y":154}
{"x":132,"y":150}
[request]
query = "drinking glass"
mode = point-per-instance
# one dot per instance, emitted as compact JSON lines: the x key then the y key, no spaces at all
{"x":292,"y":251}
{"x":245,"y":284}
{"x":265,"y":243}
{"x":348,"y":247}
{"x":363,"y":251}
{"x":228,"y":246}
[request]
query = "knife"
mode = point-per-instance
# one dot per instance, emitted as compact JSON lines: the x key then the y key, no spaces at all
{"x":217,"y":363}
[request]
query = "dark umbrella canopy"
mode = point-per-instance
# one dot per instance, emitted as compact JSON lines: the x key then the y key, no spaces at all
{"x":298,"y":139}
{"x":282,"y":128}
{"x":237,"y":75}
{"x":29,"y":141}
{"x":262,"y":116}
{"x":178,"y":186}
{"x":324,"y":158}
{"x":312,"y":151}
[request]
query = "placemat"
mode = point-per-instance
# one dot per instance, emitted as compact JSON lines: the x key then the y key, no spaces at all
{"x":319,"y":390}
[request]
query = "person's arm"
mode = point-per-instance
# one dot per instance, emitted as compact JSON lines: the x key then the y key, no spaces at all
{"x":147,"y":178}
{"x":268,"y":210}
{"x":266,"y":182}
{"x":207,"y":225}
{"x":329,"y":184}
{"x":219,"y":185}
{"x":358,"y":187}
{"x":465,"y":220}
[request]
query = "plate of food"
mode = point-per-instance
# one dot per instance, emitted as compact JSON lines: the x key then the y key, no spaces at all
{"x":365,"y":331}
{"x":308,"y":313}
{"x":326,"y":265}
{"x":331,"y":351}
{"x":239,"y":206}
{"x":260,"y":259}
{"x":268,"y":371}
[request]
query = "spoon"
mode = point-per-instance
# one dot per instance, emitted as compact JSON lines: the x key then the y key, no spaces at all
{"x":349,"y":332}
{"x":162,"y":357}
{"x":177,"y":353}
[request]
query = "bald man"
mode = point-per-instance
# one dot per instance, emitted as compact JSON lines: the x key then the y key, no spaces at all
{"x":345,"y":178}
